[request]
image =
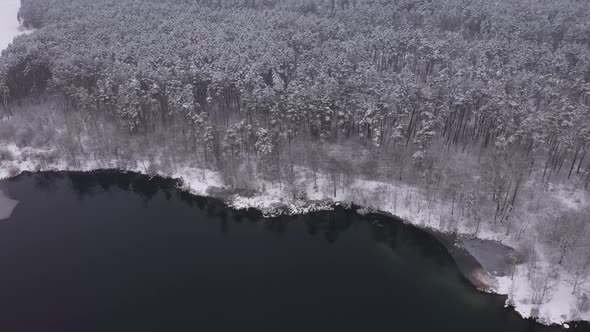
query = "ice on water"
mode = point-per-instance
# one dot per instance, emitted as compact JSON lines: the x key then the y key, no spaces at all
{"x":7,"y":205}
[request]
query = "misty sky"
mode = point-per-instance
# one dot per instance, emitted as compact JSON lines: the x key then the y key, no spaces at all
{"x":8,"y":22}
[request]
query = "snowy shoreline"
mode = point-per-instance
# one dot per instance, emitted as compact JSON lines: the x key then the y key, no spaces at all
{"x":275,"y":200}
{"x":547,"y":225}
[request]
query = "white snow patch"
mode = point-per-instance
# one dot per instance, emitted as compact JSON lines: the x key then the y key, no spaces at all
{"x":557,"y":307}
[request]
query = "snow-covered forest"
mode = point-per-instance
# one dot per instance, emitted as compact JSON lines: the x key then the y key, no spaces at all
{"x":477,"y":111}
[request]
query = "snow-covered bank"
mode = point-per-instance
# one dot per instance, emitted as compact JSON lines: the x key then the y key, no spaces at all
{"x":9,"y":25}
{"x":412,"y":204}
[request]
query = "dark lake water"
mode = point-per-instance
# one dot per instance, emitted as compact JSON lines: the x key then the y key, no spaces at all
{"x":119,"y":252}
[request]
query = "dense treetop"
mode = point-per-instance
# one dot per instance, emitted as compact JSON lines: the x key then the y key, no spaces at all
{"x":506,"y":73}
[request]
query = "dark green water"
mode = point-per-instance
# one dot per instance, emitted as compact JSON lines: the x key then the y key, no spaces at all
{"x":119,"y":252}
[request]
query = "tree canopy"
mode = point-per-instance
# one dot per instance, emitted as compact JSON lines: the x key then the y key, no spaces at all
{"x":407,"y":71}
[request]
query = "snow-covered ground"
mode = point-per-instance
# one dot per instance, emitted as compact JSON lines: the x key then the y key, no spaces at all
{"x":407,"y":202}
{"x":559,"y":309}
{"x":9,"y":25}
